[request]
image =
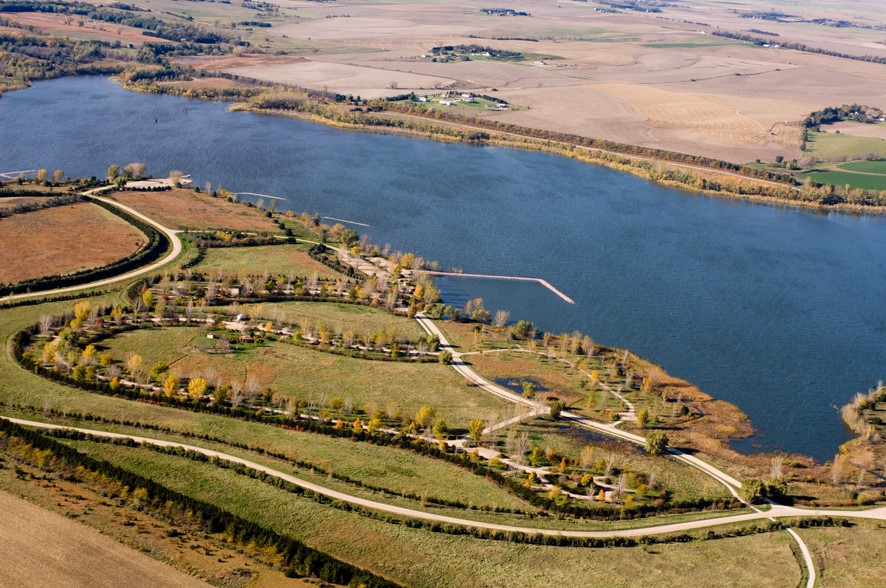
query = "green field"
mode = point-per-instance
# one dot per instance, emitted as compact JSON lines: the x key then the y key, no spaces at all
{"x":868,"y":167}
{"x":831,"y":146}
{"x":840,"y":178}
{"x":276,"y":259}
{"x":447,"y":560}
{"x":307,"y":373}
{"x":341,"y":317}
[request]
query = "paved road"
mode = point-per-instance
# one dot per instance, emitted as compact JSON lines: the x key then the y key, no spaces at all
{"x":171,"y":234}
{"x":779,"y":511}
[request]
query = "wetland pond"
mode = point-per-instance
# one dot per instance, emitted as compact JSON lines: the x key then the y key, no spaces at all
{"x":780,"y":311}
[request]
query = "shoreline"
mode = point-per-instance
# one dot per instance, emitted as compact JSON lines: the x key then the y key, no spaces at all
{"x":557,"y":148}
{"x":645,"y":167}
{"x":528,"y":144}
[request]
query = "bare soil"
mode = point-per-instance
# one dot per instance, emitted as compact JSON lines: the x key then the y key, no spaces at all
{"x":61,"y":240}
{"x":41,"y":548}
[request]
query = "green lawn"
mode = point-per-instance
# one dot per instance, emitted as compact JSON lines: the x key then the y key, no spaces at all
{"x":446,"y":560}
{"x":840,"y":178}
{"x":341,"y":317}
{"x":831,"y":146}
{"x":276,"y":259}
{"x":307,"y":373}
{"x":870,"y":167}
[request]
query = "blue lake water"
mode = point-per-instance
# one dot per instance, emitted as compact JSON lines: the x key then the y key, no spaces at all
{"x":780,"y":311}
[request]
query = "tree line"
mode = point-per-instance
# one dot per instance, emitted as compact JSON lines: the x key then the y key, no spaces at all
{"x":297,"y":558}
{"x":760,"y":42}
{"x":156,"y":246}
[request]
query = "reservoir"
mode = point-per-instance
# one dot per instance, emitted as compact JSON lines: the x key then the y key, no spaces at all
{"x":780,"y":311}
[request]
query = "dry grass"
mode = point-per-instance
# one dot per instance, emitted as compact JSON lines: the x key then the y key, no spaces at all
{"x":854,"y":129}
{"x":14,"y":201}
{"x":61,"y":24}
{"x":186,"y":209}
{"x":41,"y":548}
{"x":276,"y":259}
{"x":847,"y":557}
{"x":61,"y":240}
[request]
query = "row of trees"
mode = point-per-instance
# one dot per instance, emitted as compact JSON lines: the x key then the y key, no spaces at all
{"x":141,"y":493}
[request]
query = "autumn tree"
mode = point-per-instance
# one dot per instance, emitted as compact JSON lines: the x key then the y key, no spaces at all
{"x":523,"y":330}
{"x":135,"y":170}
{"x":425,"y":416}
{"x":501,"y":318}
{"x":170,"y":385}
{"x":135,"y":365}
{"x":475,"y":429}
{"x":196,"y":388}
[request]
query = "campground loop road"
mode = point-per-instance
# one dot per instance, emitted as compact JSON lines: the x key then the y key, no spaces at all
{"x":460,"y":366}
{"x":731,"y":484}
{"x":173,"y":253}
{"x":776,"y":512}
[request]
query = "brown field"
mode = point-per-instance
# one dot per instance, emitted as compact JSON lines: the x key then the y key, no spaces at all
{"x":857,"y":129}
{"x":62,"y":24}
{"x":186,"y":209}
{"x":660,"y":80}
{"x":61,"y":240}
{"x":206,"y":82}
{"x":41,"y":548}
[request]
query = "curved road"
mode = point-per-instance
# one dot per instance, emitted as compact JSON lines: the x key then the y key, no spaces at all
{"x":776,"y":512}
{"x":728,"y":481}
{"x":170,"y":234}
{"x":460,"y":366}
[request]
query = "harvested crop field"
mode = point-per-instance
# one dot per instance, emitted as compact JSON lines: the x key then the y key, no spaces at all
{"x":79,"y":27}
{"x":62,"y":240}
{"x":663,"y":81}
{"x":874,"y":131}
{"x":185,"y":209}
{"x":41,"y":548}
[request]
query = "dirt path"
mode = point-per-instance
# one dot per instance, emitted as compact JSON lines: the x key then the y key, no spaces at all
{"x":775,"y":512}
